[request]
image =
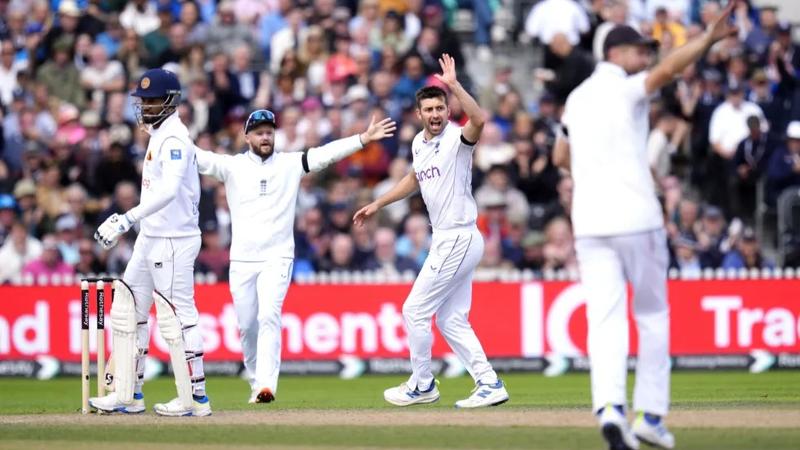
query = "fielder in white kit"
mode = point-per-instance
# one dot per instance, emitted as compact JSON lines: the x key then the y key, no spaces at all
{"x":619,"y":227}
{"x":261,"y":186}
{"x":162,"y":264}
{"x":442,"y":155}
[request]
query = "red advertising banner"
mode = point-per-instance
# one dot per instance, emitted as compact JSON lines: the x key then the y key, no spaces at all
{"x":513,"y":320}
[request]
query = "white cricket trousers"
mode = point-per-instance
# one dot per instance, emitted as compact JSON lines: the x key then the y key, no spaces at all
{"x":444,"y":288}
{"x":166,"y":265}
{"x":258,"y":290}
{"x":605,"y":264}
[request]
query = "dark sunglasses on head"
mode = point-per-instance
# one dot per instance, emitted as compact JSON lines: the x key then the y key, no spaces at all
{"x":259,"y":117}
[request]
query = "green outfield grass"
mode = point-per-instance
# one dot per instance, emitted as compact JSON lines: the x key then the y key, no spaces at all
{"x":708,"y":392}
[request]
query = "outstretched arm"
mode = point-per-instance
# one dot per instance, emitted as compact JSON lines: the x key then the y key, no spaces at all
{"x":680,"y":58}
{"x":407,"y":186}
{"x":319,"y":158}
{"x":212,"y":164}
{"x":472,"y":129}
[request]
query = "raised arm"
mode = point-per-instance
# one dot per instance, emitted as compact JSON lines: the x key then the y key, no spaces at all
{"x":472,"y":129}
{"x":663,"y":73}
{"x":407,"y":186}
{"x":212,"y":164}
{"x":318,"y":158}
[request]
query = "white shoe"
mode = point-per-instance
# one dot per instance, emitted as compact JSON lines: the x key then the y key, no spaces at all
{"x":404,"y":396}
{"x":111,"y":404}
{"x":253,"y":395}
{"x":485,"y":395}
{"x":656,"y":435}
{"x":616,"y":431}
{"x":201,"y":406}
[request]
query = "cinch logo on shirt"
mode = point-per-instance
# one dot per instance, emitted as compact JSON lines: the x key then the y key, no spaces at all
{"x":428,"y":174}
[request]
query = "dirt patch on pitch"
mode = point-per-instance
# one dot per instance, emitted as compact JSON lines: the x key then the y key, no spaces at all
{"x":499,"y":417}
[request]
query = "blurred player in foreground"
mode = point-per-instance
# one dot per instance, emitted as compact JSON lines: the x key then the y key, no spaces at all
{"x":619,"y":226}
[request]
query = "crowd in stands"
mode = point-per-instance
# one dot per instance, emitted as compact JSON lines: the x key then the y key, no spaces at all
{"x":724,"y":145}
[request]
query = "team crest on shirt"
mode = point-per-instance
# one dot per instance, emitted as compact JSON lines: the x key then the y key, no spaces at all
{"x":145,"y":83}
{"x":175,"y":154}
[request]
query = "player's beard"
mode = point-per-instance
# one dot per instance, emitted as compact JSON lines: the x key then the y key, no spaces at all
{"x":263,"y":151}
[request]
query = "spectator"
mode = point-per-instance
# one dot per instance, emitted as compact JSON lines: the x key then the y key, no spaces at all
{"x":493,"y":220}
{"x":663,"y":142}
{"x":88,"y":262}
{"x":157,"y":41}
{"x":67,"y":234}
{"x":686,"y":257}
{"x":9,"y":68}
{"x":196,"y":30}
{"x":18,"y":250}
{"x":61,"y":76}
{"x":398,"y":168}
{"x":497,"y":181}
{"x":8,"y":213}
{"x":214,"y":257}
{"x":385,"y":257}
{"x":177,"y":48}
{"x":415,"y":242}
{"x":102,"y":76}
{"x":533,"y":252}
{"x":551,"y":17}
{"x":225,"y":33}
{"x":712,"y":238}
{"x":614,"y":12}
{"x":559,"y":247}
{"x":341,"y":255}
{"x":49,"y":263}
{"x":666,"y":24}
{"x":746,"y":254}
{"x":140,"y":16}
{"x":750,"y":163}
{"x":492,"y":149}
{"x":784,"y":165}
{"x":572,"y":66}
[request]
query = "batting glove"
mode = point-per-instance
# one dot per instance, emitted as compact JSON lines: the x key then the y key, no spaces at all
{"x":109,"y":231}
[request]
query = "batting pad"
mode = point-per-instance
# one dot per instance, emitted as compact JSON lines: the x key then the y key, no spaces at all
{"x":172,"y":332}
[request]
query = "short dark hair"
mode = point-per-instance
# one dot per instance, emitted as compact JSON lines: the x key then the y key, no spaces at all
{"x":430,"y":92}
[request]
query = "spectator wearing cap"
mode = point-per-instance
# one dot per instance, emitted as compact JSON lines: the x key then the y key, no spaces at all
{"x":728,"y":128}
{"x":532,"y":252}
{"x":225,"y":32}
{"x":60,"y":74}
{"x":141,"y":16}
{"x":25,"y":195}
{"x":747,"y":253}
{"x":728,"y":125}
{"x":783,"y":171}
{"x":19,"y":249}
{"x":49,"y":263}
{"x":68,"y":234}
{"x":750,"y":163}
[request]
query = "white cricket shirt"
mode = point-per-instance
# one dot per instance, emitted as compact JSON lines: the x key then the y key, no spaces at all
{"x":170,"y":153}
{"x":443,"y":167}
{"x":261,"y":196}
{"x":607,"y":123}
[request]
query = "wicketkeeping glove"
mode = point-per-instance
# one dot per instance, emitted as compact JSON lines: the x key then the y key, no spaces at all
{"x":109,"y":231}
